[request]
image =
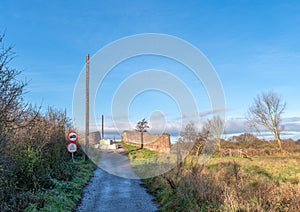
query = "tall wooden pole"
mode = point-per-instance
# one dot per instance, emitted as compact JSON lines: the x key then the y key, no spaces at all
{"x":103,"y":127}
{"x":87,"y":88}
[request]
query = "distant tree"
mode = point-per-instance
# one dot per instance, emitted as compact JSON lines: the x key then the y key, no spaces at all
{"x":213,"y":129}
{"x":266,"y":112}
{"x":190,"y":133}
{"x":142,"y":127}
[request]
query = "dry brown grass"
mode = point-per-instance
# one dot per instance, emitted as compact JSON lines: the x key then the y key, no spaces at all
{"x":262,"y":147}
{"x":227,"y":185}
{"x":268,"y":182}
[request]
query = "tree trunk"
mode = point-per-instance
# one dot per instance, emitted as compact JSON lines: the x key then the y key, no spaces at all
{"x":279,"y":142}
{"x":142,"y":140}
{"x":219,"y":145}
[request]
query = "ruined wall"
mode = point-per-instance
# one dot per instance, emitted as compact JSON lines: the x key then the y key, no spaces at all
{"x":157,"y":142}
{"x":94,"y":138}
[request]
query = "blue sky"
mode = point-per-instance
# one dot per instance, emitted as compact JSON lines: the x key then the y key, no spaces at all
{"x":253,"y":45}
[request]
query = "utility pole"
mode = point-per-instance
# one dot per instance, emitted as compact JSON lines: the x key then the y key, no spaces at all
{"x":87,"y":88}
{"x":102,"y":127}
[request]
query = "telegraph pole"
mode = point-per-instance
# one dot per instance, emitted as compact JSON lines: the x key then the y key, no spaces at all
{"x":87,"y":88}
{"x":103,"y":127}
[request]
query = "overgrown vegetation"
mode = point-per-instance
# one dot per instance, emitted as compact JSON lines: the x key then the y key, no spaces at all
{"x":228,"y":184}
{"x":65,"y":194}
{"x":35,"y":168}
{"x":256,"y":176}
{"x":264,"y":183}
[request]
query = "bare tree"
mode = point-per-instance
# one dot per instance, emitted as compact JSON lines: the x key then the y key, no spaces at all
{"x":14,"y":113}
{"x":190,"y":133}
{"x":266,"y":112}
{"x":213,"y":129}
{"x":142,"y":127}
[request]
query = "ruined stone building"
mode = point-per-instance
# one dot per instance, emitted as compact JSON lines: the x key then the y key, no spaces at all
{"x":157,"y":142}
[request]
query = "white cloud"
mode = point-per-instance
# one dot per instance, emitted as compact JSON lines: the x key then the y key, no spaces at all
{"x":236,"y":125}
{"x":233,"y":126}
{"x":205,"y":113}
{"x":291,"y":119}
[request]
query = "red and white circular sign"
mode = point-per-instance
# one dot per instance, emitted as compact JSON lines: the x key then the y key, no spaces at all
{"x":72,"y":136}
{"x":72,"y":147}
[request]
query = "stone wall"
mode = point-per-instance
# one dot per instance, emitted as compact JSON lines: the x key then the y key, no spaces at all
{"x":94,"y":138}
{"x":157,"y":142}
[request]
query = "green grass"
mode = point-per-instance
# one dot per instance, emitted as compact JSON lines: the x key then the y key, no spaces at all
{"x":276,"y":168}
{"x":144,"y":161}
{"x":66,"y":194}
{"x":136,"y":153}
{"x":129,"y":148}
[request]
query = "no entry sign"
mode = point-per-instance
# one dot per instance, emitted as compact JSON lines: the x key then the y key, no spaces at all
{"x":72,"y":147}
{"x":72,"y":136}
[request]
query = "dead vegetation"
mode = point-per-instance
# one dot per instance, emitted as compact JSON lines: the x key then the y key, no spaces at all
{"x":255,"y":176}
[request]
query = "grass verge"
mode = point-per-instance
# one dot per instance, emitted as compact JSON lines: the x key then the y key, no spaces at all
{"x":65,"y":195}
{"x":136,"y":153}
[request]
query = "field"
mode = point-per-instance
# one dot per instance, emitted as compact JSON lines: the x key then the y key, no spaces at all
{"x":276,"y":168}
{"x":257,"y":183}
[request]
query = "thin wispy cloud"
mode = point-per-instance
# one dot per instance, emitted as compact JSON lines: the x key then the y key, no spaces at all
{"x":214,"y":111}
{"x":291,"y":119}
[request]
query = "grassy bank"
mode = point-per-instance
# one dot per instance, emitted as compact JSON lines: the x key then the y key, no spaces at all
{"x":65,"y":195}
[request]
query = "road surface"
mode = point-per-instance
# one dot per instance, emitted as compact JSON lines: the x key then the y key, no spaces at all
{"x":108,"y":192}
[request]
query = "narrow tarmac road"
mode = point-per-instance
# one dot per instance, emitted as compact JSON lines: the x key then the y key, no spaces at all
{"x":108,"y":192}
